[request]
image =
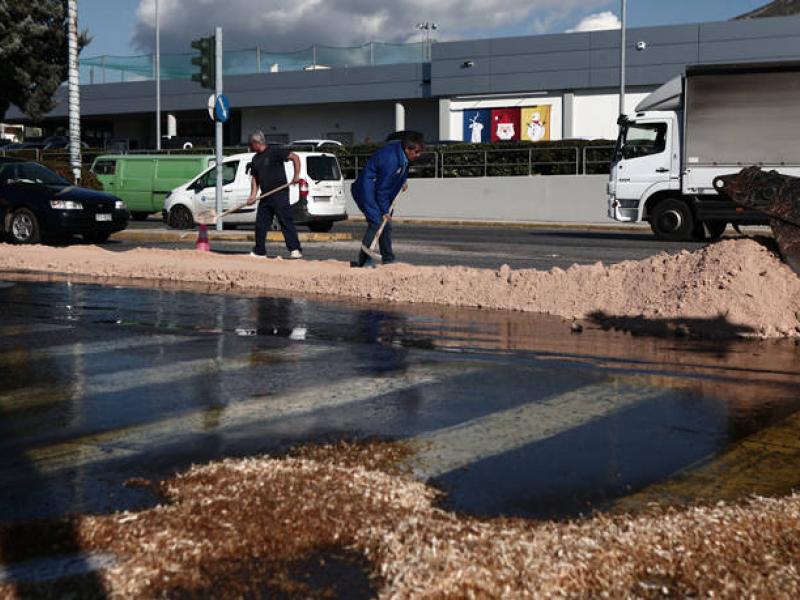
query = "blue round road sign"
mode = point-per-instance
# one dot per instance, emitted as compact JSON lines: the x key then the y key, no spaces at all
{"x":222,"y":109}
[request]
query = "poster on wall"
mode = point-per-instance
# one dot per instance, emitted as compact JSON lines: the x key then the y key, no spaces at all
{"x":477,"y":125}
{"x":535,"y":123}
{"x":505,"y":124}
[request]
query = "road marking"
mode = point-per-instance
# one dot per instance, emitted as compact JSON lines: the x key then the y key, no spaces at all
{"x":82,"y":349}
{"x":130,"y":379}
{"x":12,"y":330}
{"x":764,"y":464}
{"x":249,"y":414}
{"x":455,"y":447}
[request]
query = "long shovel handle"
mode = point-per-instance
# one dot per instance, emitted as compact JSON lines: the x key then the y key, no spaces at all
{"x":374,"y":245}
{"x":261,"y":197}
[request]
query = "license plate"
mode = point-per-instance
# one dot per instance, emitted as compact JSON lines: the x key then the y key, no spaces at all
{"x":103,"y":217}
{"x":322,"y":198}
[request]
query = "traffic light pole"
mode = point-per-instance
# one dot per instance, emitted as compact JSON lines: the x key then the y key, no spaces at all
{"x":218,"y":124}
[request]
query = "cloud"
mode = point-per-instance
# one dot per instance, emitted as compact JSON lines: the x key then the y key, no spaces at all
{"x":598,"y":22}
{"x":283,"y":26}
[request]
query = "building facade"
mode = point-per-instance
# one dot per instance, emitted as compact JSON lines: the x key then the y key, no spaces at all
{"x":561,"y":86}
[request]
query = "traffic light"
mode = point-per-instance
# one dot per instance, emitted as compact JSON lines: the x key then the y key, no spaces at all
{"x":206,"y":61}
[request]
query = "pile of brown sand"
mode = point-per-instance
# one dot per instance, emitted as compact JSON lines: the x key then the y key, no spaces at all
{"x":735,"y":287}
{"x":241,"y":528}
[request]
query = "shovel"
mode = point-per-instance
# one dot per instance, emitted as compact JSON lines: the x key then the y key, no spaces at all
{"x":210,"y":217}
{"x":373,"y":247}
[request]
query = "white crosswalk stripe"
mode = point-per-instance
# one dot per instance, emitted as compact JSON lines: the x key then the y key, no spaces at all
{"x":248,"y":414}
{"x":455,"y":447}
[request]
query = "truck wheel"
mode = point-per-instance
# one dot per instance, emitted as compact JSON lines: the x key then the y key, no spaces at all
{"x":672,"y":220}
{"x":321,"y":227}
{"x":24,"y":227}
{"x":180,"y":217}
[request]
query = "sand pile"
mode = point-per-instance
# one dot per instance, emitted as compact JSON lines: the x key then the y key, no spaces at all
{"x":263,"y":526}
{"x":732,"y":288}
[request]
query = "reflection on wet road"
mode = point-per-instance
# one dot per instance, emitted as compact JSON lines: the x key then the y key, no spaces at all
{"x":510,"y":414}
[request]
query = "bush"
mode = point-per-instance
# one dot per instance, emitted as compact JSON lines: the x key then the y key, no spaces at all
{"x":88,"y":179}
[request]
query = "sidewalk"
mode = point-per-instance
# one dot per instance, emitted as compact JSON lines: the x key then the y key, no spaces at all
{"x":190,"y":235}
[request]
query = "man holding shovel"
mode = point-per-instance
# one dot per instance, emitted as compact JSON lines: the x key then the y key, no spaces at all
{"x":376,"y":188}
{"x":268,"y":172}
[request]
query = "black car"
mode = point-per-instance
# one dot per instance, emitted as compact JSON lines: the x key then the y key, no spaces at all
{"x":37,"y":204}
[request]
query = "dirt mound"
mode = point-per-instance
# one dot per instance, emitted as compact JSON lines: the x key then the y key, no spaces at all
{"x":265,"y":526}
{"x":735,"y":288}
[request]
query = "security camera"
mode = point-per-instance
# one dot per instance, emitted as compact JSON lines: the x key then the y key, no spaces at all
{"x":641,"y":46}
{"x":467,"y":64}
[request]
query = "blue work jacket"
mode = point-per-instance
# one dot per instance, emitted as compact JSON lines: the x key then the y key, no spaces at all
{"x":381,"y":180}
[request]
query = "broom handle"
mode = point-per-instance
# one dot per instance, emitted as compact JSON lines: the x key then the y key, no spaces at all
{"x":378,"y":234}
{"x":261,"y":197}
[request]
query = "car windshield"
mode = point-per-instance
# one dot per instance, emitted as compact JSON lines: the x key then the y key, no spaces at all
{"x":29,"y":172}
{"x":323,"y":168}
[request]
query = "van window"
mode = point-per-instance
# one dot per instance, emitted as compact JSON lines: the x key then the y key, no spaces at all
{"x":209,"y":179}
{"x":105,"y":167}
{"x":323,"y":168}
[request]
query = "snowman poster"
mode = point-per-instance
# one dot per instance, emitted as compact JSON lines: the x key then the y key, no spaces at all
{"x":477,"y":126}
{"x":505,"y":124}
{"x":536,"y":123}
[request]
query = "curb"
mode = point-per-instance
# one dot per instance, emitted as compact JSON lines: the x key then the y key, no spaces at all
{"x":190,"y":236}
{"x":633,"y":227}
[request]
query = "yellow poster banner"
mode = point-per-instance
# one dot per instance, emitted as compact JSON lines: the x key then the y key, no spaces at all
{"x":536,"y":123}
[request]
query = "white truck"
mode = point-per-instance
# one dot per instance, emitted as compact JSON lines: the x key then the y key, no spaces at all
{"x":713,"y":120}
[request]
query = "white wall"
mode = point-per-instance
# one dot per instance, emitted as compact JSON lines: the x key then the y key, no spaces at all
{"x":457,"y":108}
{"x":553,"y":199}
{"x":365,"y":119}
{"x":595,"y":115}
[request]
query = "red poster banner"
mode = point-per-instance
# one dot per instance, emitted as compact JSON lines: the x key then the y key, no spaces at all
{"x":505,"y":124}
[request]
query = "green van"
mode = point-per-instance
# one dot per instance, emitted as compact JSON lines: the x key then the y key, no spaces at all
{"x":143,"y":180}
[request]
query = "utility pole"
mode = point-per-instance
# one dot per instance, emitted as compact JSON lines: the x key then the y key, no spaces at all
{"x":623,"y":43}
{"x":74,"y":93}
{"x":158,"y":80}
{"x":218,"y":123}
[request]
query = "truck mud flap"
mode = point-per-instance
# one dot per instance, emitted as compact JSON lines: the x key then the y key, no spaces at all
{"x":777,"y":196}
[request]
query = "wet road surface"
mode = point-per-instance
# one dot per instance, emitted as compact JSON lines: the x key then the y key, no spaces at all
{"x":511,"y":414}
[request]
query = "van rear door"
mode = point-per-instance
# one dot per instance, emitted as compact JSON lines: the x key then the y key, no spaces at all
{"x":326,"y":185}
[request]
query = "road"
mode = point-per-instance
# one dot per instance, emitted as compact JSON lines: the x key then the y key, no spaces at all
{"x":489,"y":247}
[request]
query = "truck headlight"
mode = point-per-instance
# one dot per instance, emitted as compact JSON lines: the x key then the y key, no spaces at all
{"x":66,"y":205}
{"x":119,"y":205}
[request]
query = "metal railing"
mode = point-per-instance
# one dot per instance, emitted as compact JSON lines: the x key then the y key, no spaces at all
{"x":116,"y":69}
{"x":501,"y":162}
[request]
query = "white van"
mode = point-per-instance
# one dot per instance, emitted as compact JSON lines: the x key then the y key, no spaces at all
{"x":319,"y":200}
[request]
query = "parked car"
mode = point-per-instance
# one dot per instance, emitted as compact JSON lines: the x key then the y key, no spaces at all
{"x":144,"y":180}
{"x":319,"y":200}
{"x":317,"y":144}
{"x":36,"y":204}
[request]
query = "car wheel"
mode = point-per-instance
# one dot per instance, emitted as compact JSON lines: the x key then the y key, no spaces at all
{"x":180,"y":217}
{"x":321,"y":227}
{"x":672,"y":220}
{"x":24,"y":227}
{"x":140,"y":216}
{"x":96,"y":237}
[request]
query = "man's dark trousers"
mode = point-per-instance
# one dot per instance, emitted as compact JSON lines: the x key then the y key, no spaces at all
{"x":278,"y":205}
{"x":385,"y":243}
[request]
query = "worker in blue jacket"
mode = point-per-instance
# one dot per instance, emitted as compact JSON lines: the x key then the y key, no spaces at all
{"x":376,"y":187}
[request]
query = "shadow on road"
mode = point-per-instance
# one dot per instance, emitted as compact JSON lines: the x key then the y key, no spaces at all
{"x":712,"y":328}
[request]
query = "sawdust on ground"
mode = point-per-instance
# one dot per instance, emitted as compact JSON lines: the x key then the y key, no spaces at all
{"x":734,"y":288}
{"x":259,"y":526}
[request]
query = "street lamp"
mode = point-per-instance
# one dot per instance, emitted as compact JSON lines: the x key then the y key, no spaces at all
{"x":158,"y":80}
{"x":623,"y":42}
{"x":428,"y":28}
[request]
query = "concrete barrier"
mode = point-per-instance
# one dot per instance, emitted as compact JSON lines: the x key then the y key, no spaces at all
{"x":554,"y":199}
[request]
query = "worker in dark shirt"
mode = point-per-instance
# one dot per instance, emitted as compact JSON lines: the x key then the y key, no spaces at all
{"x":268,"y":172}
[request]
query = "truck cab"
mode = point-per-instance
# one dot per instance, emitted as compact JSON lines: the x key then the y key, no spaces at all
{"x":646,"y":163}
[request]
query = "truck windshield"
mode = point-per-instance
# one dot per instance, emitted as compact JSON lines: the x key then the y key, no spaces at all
{"x":641,"y":139}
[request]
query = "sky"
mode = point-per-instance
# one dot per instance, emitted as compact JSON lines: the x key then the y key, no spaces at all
{"x":125,"y":27}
